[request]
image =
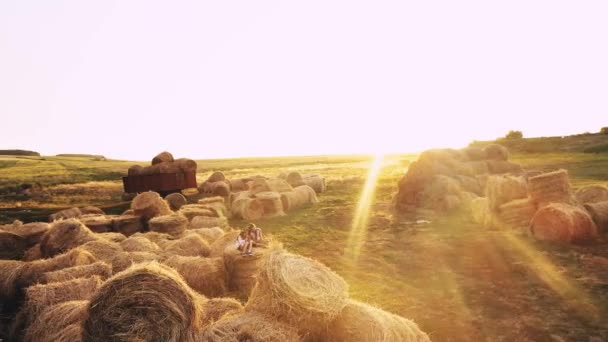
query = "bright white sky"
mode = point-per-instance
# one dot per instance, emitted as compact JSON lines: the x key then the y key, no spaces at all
{"x":128,"y":79}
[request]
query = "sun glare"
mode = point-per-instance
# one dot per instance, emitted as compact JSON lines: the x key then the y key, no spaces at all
{"x":358,"y":231}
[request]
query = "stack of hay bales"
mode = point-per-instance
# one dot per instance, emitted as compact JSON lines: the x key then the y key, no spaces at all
{"x":300,"y":196}
{"x":215,"y":185}
{"x":172,"y":224}
{"x":316,"y":182}
{"x":551,"y":187}
{"x":164,"y":163}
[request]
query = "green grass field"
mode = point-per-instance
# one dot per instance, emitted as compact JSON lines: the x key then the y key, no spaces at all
{"x":460,"y":282}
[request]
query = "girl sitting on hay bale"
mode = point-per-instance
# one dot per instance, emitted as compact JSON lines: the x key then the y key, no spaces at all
{"x":244,"y":244}
{"x":255,"y":234}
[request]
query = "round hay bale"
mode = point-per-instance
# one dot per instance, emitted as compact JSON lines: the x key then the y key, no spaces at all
{"x":216,"y":201}
{"x":11,"y":272}
{"x":206,"y":276}
{"x":473,"y":153}
{"x":551,"y":187}
{"x":186,"y":165}
{"x":190,"y":211}
{"x":208,"y":234}
{"x":33,"y":253}
{"x":139,"y":244}
{"x":249,"y":209}
{"x":480,"y":212}
{"x":200,"y":222}
{"x":238,"y":195}
{"x":271,"y":201}
{"x":91,"y":210}
{"x":562,"y":222}
{"x":98,"y":223}
{"x":502,"y":166}
{"x":243,"y":270}
{"x":174,"y":224}
{"x":479,"y":167}
{"x":112,"y":236}
{"x":517,"y":213}
{"x":30,"y":232}
{"x":12,"y":246}
{"x":65,"y":214}
{"x":134,"y":170}
{"x":103,"y":250}
{"x":216,"y":308}
{"x":220,"y":188}
{"x":167,"y":167}
{"x":64,"y":235}
{"x":470,"y":184}
{"x":128,"y":224}
{"x":163,"y":157}
{"x":216,"y":177}
{"x":160,"y":239}
{"x":237,"y":185}
{"x":365,"y":323}
{"x":150,"y":204}
{"x":599,"y":214}
{"x":189,"y":245}
{"x":218,"y":246}
{"x":591,"y":194}
{"x":259,"y":184}
{"x":148,"y":302}
{"x":124,"y":260}
{"x":150,"y":170}
{"x":295,"y":179}
{"x":176,"y":200}
{"x":278,"y":185}
{"x":441,"y":194}
{"x":496,"y":152}
{"x":503,"y":189}
{"x":60,"y":322}
{"x":316,"y":182}
{"x":299,"y":291}
{"x":250,"y":326}
{"x":99,"y":269}
{"x":300,"y":197}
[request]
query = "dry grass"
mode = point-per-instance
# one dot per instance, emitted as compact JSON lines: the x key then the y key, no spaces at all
{"x":61,"y":322}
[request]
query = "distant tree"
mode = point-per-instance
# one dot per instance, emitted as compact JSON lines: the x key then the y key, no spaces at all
{"x":604,"y":130}
{"x":514,"y":135}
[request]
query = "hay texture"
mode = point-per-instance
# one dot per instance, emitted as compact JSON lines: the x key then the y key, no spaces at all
{"x":479,"y":167}
{"x":208,"y":234}
{"x":65,"y":214}
{"x":216,"y":308}
{"x":33,"y":253}
{"x":128,"y":224}
{"x":250,"y":209}
{"x":139,"y":244}
{"x":503,"y":189}
{"x":12,"y":246}
{"x":599,"y":214}
{"x":160,"y":239}
{"x":238,"y":195}
{"x":99,"y":269}
{"x":551,"y":187}
{"x":243,"y":270}
{"x":148,"y":302}
{"x":517,"y":213}
{"x":64,"y":235}
{"x":190,"y":211}
{"x":591,"y":194}
{"x":30,"y":232}
{"x":101,"y":249}
{"x":176,"y":200}
{"x":220,"y":188}
{"x":217,"y":203}
{"x":59,"y":323}
{"x":562,"y":222}
{"x":503,"y":166}
{"x":98,"y":223}
{"x":316,"y":182}
{"x":206,"y":276}
{"x":271,"y":202}
{"x":216,"y":177}
{"x":365,"y":323}
{"x":250,"y":326}
{"x":9,"y":282}
{"x":134,"y":170}
{"x":473,"y":153}
{"x":218,"y":246}
{"x":301,"y":196}
{"x":186,"y":165}
{"x":298,"y":291}
{"x":174,"y":224}
{"x":124,"y":260}
{"x":239,"y":184}
{"x":150,"y":204}
{"x":496,"y":152}
{"x":112,"y":236}
{"x":201,"y":222}
{"x":91,"y":210}
{"x":189,"y":245}
{"x":163,"y":157}
{"x":295,"y":179}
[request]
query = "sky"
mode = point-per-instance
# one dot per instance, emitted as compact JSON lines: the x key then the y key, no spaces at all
{"x":211,"y":79}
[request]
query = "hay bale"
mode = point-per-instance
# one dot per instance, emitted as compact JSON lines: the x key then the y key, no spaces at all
{"x":99,"y":269}
{"x":124,"y":260}
{"x":591,"y":194}
{"x":65,"y":214}
{"x":9,"y":282}
{"x":562,"y":222}
{"x":176,"y":200}
{"x":299,"y":291}
{"x":503,"y":166}
{"x":148,"y":302}
{"x":299,"y":197}
{"x":216,"y":177}
{"x":551,"y":187}
{"x":599,"y":214}
{"x":271,"y":202}
{"x":30,"y":232}
{"x":473,"y":153}
{"x":238,"y":195}
{"x":250,"y":326}
{"x":139,"y":244}
{"x":12,"y":246}
{"x":167,"y":167}
{"x":220,"y":188}
{"x":216,"y":308}
{"x":496,"y":152}
{"x":365,"y":323}
{"x":103,"y":250}
{"x":160,"y":239}
{"x":503,"y":189}
{"x":295,"y":179}
{"x":216,"y":202}
{"x":162,"y":157}
{"x":470,"y":184}
{"x":316,"y":182}
{"x":150,"y":204}
{"x":480,"y":209}
{"x":200,"y":222}
{"x":186,"y":165}
{"x":190,"y":211}
{"x":218,"y":246}
{"x":112,"y":236}
{"x":174,"y":224}
{"x":134,"y":170}
{"x":98,"y":223}
{"x":91,"y":210}
{"x":517,"y":213}
{"x":479,"y":167}
{"x":208,"y":234}
{"x":64,"y":235}
{"x":128,"y":224}
{"x":243,"y":270}
{"x":259,"y":184}
{"x":189,"y":245}
{"x":239,"y":184}
{"x":60,"y":322}
{"x":442,"y":193}
{"x":33,"y":253}
{"x":249,"y":209}
{"x":206,"y":276}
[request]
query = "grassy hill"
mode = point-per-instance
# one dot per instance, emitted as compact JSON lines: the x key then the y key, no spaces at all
{"x":586,"y":143}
